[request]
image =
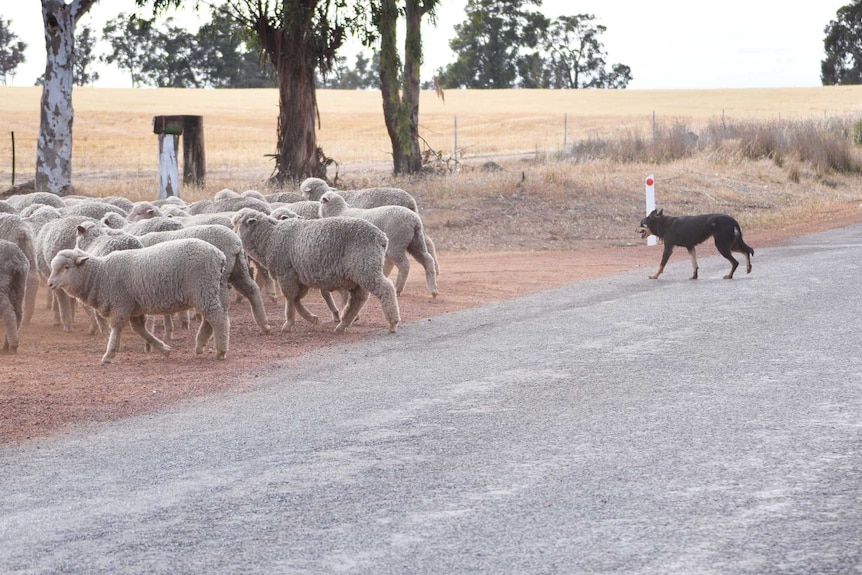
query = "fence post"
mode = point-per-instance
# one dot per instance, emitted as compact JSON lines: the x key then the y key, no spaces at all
{"x":194,"y":159}
{"x":169,"y":129}
{"x":565,"y":129}
{"x":455,"y":144}
{"x":649,"y":192}
{"x":13,"y":158}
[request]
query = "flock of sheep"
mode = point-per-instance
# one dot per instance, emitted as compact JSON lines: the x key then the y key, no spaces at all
{"x":126,"y":262}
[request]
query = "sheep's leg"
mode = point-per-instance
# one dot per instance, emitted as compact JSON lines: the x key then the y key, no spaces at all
{"x":30,"y":297}
{"x":168,"y":320}
{"x":241,"y":280}
{"x":355,"y":301}
{"x":433,"y":251}
{"x":139,"y":326}
{"x":113,"y":340}
{"x":385,"y":292}
{"x":288,"y":288}
{"x":303,"y":311}
{"x":388,"y":264}
{"x":264,"y":281}
{"x":403,"y":264}
{"x":66,"y":310}
{"x":330,"y":303}
{"x":215,"y":324}
{"x":10,"y":322}
{"x":427,"y":261}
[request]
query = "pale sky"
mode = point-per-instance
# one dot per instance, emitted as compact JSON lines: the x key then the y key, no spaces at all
{"x":668,"y":44}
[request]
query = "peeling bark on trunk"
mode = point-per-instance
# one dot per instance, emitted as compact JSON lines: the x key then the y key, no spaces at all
{"x":401,"y":103}
{"x":293,"y":56}
{"x":54,"y":149}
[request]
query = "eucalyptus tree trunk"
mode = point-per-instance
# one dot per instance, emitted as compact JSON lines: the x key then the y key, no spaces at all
{"x":400,"y":91}
{"x":54,"y":149}
{"x":292,"y":53}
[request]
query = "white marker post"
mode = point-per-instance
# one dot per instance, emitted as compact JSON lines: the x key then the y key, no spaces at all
{"x":649,"y":189}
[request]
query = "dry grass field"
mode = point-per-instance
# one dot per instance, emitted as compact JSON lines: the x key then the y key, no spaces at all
{"x":541,"y":218}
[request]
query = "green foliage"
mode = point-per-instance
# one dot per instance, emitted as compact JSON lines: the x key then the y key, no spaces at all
{"x":217,"y":56}
{"x":11,"y":52}
{"x":364,"y":75}
{"x":843,"y":44}
{"x":504,"y":45}
{"x":857,"y":132}
{"x":85,"y":42}
{"x":490,"y":41}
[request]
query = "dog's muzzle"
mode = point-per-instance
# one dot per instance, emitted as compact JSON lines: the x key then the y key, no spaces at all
{"x":643,"y":231}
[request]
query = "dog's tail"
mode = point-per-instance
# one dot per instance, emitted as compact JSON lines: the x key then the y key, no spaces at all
{"x":737,"y":237}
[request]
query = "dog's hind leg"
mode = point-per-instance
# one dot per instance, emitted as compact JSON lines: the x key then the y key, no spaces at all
{"x":726,"y":252}
{"x":693,"y":255}
{"x":746,"y":251}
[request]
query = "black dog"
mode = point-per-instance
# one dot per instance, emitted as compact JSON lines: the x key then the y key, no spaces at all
{"x":689,"y":231}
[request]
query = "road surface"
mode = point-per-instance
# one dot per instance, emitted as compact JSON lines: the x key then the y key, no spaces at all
{"x":620,"y":425}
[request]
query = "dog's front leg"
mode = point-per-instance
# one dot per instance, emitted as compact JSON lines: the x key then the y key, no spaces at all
{"x":693,"y":255}
{"x":668,"y":249}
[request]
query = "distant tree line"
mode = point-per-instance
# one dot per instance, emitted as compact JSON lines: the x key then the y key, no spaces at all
{"x":508,"y":44}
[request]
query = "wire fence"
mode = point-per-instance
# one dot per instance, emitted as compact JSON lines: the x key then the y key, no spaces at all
{"x":130,"y":153}
{"x":248,"y":152}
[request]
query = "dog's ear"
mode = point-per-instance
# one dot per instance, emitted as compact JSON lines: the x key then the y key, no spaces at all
{"x":659,"y":213}
{"x":652,"y":214}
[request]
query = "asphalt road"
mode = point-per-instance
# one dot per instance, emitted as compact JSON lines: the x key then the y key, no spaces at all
{"x":615,"y":426}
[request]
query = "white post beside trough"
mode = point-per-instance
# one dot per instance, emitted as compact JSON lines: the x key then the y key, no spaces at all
{"x":169,"y":176}
{"x":649,"y":188}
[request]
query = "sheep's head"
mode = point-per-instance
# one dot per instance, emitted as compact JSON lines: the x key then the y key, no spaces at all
{"x":313,"y":188}
{"x":64,"y":265}
{"x":143,"y":211}
{"x":331,"y":204}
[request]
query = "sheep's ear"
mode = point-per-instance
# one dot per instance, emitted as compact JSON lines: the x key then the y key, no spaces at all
{"x":81,"y":259}
{"x":251,"y":220}
{"x":81,"y":230}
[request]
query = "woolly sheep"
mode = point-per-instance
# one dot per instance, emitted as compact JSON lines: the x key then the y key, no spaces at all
{"x":228,"y":205}
{"x":166,"y":278}
{"x":254,"y":194}
{"x":285,"y":197}
{"x":308,"y":209}
{"x":15,"y":229}
{"x":125,"y":203}
{"x":98,"y":239}
{"x":139,"y":228}
{"x":55,"y":236}
{"x":224,"y":194}
{"x":92,"y":209}
{"x":404,"y":230}
{"x":217,"y":218}
{"x":7,"y":208}
{"x":314,"y":188}
{"x":170,"y":201}
{"x":144,"y":211}
{"x":14,"y":272}
{"x":174,"y":211}
{"x":236,"y":270}
{"x":285,"y":213}
{"x":47,"y":198}
{"x":37,"y":215}
{"x":331,"y":254}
